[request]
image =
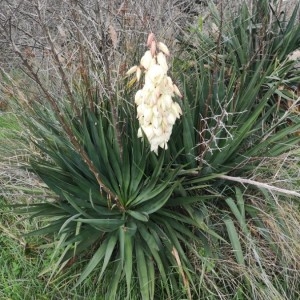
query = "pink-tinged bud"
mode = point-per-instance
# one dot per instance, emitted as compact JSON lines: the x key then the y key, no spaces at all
{"x":151,"y":37}
{"x":153,"y":48}
{"x":131,"y":70}
{"x":138,"y":73}
{"x":176,"y":90}
{"x":163,"y":48}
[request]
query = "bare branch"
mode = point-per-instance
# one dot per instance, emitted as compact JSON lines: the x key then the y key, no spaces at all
{"x":259,"y":184}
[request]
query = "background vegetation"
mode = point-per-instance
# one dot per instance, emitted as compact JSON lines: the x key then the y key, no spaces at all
{"x":214,"y":216}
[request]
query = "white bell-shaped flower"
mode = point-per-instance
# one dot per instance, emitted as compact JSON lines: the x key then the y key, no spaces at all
{"x":176,"y":109}
{"x":146,"y":60}
{"x":171,"y":119}
{"x":162,"y":61}
{"x":155,"y":74}
{"x":165,"y":102}
{"x":139,"y":97}
{"x":149,"y":132}
{"x":148,"y":114}
{"x":158,"y":131}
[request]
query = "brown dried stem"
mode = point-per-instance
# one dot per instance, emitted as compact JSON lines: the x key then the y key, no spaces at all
{"x":112,"y":197}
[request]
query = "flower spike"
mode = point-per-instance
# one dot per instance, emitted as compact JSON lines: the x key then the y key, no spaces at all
{"x":156,"y":111}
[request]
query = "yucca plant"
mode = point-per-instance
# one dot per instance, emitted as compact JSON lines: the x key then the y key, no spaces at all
{"x":113,"y":197}
{"x":138,"y":216}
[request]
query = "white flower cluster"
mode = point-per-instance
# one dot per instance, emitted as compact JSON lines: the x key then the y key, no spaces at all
{"x":156,"y":110}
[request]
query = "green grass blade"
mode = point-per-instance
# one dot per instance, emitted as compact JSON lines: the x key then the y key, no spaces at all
{"x":234,"y":209}
{"x":234,"y":239}
{"x":240,"y":202}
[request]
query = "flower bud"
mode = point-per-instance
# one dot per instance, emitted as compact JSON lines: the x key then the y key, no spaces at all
{"x":176,"y":91}
{"x":151,"y":38}
{"x":163,"y":48}
{"x":153,"y":48}
{"x":132,"y":70}
{"x":138,"y":73}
